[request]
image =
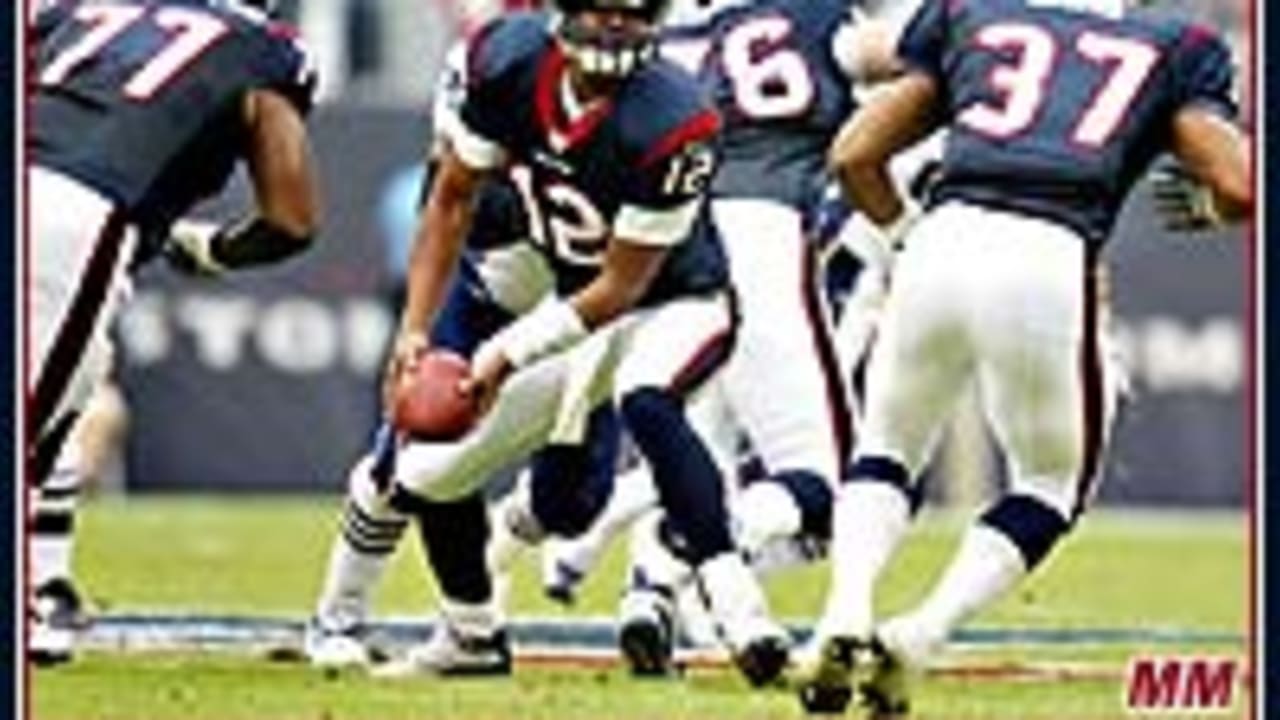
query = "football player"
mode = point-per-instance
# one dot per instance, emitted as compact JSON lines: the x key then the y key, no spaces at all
{"x":1054,"y":108}
{"x":139,"y":110}
{"x":611,"y":150}
{"x":499,"y":278}
{"x":783,"y":76}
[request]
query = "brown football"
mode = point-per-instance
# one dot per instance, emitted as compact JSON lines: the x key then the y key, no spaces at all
{"x":429,"y":405}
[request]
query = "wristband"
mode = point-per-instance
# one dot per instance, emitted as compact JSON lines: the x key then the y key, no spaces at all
{"x":551,"y":326}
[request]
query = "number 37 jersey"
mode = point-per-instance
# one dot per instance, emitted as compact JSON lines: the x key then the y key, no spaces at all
{"x":1056,"y":112}
{"x":142,"y":100}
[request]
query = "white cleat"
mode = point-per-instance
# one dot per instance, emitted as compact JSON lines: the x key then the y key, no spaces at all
{"x":448,"y":653}
{"x":335,"y":648}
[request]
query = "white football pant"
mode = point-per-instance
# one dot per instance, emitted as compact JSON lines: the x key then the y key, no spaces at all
{"x":1006,"y":301}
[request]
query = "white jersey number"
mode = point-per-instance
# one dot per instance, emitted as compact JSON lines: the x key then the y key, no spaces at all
{"x":1022,"y":84}
{"x":563,"y":220}
{"x":188,"y":33}
{"x":769,"y":79}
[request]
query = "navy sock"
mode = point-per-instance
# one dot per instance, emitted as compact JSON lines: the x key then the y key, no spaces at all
{"x":882,"y":469}
{"x":454,"y":535}
{"x":814,"y":498}
{"x":1030,"y":524}
{"x":687,"y":479}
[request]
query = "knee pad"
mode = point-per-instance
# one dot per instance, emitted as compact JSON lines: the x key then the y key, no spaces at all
{"x":1030,"y":524}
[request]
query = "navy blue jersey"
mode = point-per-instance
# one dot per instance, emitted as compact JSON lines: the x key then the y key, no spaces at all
{"x":143,"y":100}
{"x":647,"y":146}
{"x":780,"y":91}
{"x":1056,"y":112}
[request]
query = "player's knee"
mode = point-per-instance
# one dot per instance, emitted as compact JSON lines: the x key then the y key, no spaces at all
{"x":648,"y":410}
{"x":887,"y":471}
{"x":1031,"y":525}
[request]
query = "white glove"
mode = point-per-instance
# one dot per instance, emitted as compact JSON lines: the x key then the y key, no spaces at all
{"x":190,"y":248}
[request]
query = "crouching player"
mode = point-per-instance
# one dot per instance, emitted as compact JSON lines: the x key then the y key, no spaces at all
{"x":611,"y":151}
{"x":499,"y":278}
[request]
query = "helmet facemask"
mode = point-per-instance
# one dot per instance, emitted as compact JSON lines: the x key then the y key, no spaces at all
{"x":608,"y":39}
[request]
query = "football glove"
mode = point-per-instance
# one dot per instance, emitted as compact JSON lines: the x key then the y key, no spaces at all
{"x":190,"y":248}
{"x":1183,"y":203}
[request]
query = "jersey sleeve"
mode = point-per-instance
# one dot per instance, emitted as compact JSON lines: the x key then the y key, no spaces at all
{"x":922,"y":45}
{"x":1203,"y":72}
{"x":288,"y":66}
{"x":661,"y":203}
{"x":478,"y":128}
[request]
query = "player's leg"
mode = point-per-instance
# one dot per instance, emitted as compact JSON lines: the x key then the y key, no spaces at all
{"x":371,"y":528}
{"x":917,"y":368}
{"x":78,"y":277}
{"x":799,"y":421}
{"x":565,"y":488}
{"x":567,"y":562}
{"x":93,"y":444}
{"x":672,"y":351}
{"x":1045,"y":395}
{"x":369,"y":532}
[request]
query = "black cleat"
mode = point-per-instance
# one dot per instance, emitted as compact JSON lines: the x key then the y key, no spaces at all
{"x":57,"y":615}
{"x":828,"y":687}
{"x":762,"y":661}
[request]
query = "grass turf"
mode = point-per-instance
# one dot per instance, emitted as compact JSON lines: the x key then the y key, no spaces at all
{"x":265,"y":556}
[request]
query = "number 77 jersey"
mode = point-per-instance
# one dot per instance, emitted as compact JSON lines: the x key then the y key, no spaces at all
{"x":142,"y":101}
{"x":1055,"y":111}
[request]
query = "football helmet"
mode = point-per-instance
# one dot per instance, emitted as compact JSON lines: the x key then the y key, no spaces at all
{"x":609,"y":38}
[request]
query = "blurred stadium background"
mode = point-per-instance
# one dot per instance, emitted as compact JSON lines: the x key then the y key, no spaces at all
{"x":279,"y":365}
{"x":241,"y":391}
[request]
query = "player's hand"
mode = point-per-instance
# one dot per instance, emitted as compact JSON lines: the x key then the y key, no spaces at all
{"x":189,"y":248}
{"x":489,"y":369}
{"x":408,"y":348}
{"x":1182,"y":203}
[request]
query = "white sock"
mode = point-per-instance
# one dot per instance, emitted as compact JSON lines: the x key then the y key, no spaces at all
{"x":764,"y":511}
{"x":870,"y":519}
{"x":736,"y":601}
{"x":986,"y":566}
{"x":371,"y":529}
{"x":471,"y":619}
{"x":53,"y":531}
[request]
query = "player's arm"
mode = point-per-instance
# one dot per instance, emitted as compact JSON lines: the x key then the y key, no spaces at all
{"x":1211,"y":185}
{"x":1215,"y":152}
{"x":898,"y":116}
{"x":285,"y":191}
{"x":656,"y":219}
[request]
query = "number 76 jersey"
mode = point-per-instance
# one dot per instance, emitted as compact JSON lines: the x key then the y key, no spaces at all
{"x":142,"y":101}
{"x":1055,"y":112}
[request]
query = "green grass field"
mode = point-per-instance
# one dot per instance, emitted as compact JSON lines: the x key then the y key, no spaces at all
{"x":258,"y":556}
